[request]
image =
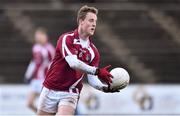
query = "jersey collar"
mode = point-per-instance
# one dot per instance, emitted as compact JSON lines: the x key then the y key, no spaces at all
{"x":76,"y":35}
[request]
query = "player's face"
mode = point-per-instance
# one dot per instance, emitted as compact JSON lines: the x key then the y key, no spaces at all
{"x":41,"y":37}
{"x":89,"y":24}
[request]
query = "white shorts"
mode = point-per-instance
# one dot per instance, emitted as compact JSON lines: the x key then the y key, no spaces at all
{"x":50,"y":100}
{"x":36,"y":85}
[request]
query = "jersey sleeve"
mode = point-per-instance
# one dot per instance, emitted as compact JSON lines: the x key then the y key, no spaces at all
{"x":37,"y":59}
{"x":51,"y":51}
{"x":30,"y":70}
{"x":95,"y":82}
{"x":67,"y":46}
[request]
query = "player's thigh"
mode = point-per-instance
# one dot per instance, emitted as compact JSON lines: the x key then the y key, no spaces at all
{"x":40,"y":113}
{"x":34,"y":91}
{"x":48,"y":102}
{"x":65,"y":110}
{"x":68,"y":104}
{"x":32,"y":97}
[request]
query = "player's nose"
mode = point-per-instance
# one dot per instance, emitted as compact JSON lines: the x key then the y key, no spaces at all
{"x":94,"y":24}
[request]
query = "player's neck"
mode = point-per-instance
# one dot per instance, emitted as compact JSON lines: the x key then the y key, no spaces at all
{"x":82,"y":35}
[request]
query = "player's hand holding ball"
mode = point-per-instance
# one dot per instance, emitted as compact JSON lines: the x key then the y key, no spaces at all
{"x":104,"y":75}
{"x":120,"y":78}
{"x":119,"y":81}
{"x":108,"y":89}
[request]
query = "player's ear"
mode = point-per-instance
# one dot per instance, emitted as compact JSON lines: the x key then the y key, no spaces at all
{"x":81,"y":21}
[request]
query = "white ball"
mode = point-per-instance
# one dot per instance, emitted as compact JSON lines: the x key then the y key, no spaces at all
{"x":120,"y":78}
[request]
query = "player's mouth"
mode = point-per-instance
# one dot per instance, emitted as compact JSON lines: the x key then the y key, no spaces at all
{"x":92,"y":29}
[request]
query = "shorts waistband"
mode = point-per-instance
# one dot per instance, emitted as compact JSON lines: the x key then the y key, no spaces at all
{"x":71,"y":90}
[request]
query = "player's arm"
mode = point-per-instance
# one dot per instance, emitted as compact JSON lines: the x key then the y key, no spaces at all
{"x":70,"y":55}
{"x":77,"y":64}
{"x":29,"y":72}
{"x":97,"y":84}
{"x":34,"y":65}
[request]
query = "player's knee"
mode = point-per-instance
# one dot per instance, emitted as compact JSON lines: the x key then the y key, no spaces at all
{"x":40,"y":113}
{"x":66,"y":110}
{"x":30,"y":104}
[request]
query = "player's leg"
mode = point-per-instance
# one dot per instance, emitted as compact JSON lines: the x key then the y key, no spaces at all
{"x":48,"y":102}
{"x":35,"y":90}
{"x":31,"y":100}
{"x":40,"y":113}
{"x":32,"y":95}
{"x":68,"y":104}
{"x":65,"y":110}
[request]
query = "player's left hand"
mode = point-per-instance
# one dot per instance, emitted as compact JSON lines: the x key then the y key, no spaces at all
{"x":109,"y":90}
{"x":104,"y":74}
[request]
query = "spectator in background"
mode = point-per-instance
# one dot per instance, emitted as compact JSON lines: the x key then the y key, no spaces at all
{"x":42,"y":52}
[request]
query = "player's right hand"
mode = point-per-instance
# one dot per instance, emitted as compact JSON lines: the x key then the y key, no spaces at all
{"x":110,"y":90}
{"x":27,"y":81}
{"x":104,"y":75}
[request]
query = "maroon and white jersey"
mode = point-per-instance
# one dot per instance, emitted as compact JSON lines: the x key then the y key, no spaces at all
{"x":61,"y":76}
{"x":42,"y":57}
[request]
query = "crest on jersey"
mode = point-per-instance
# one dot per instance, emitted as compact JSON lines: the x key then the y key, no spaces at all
{"x":88,"y":57}
{"x":84,"y":55}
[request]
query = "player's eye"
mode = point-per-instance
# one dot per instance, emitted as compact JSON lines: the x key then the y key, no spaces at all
{"x":91,"y":20}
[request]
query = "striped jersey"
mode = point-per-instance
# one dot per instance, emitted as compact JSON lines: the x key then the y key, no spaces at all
{"x":61,"y":76}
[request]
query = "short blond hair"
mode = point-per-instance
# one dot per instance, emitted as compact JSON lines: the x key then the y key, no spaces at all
{"x":42,"y":30}
{"x":84,"y":10}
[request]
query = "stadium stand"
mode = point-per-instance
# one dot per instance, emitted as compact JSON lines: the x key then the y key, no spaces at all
{"x":146,"y":39}
{"x":58,"y":22}
{"x":14,"y":52}
{"x":5,"y":2}
{"x":175,"y":15}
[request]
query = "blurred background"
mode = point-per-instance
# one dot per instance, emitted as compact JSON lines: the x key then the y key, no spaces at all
{"x":142,"y":36}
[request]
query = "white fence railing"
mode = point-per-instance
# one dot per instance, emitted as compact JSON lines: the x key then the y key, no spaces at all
{"x":154,"y":99}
